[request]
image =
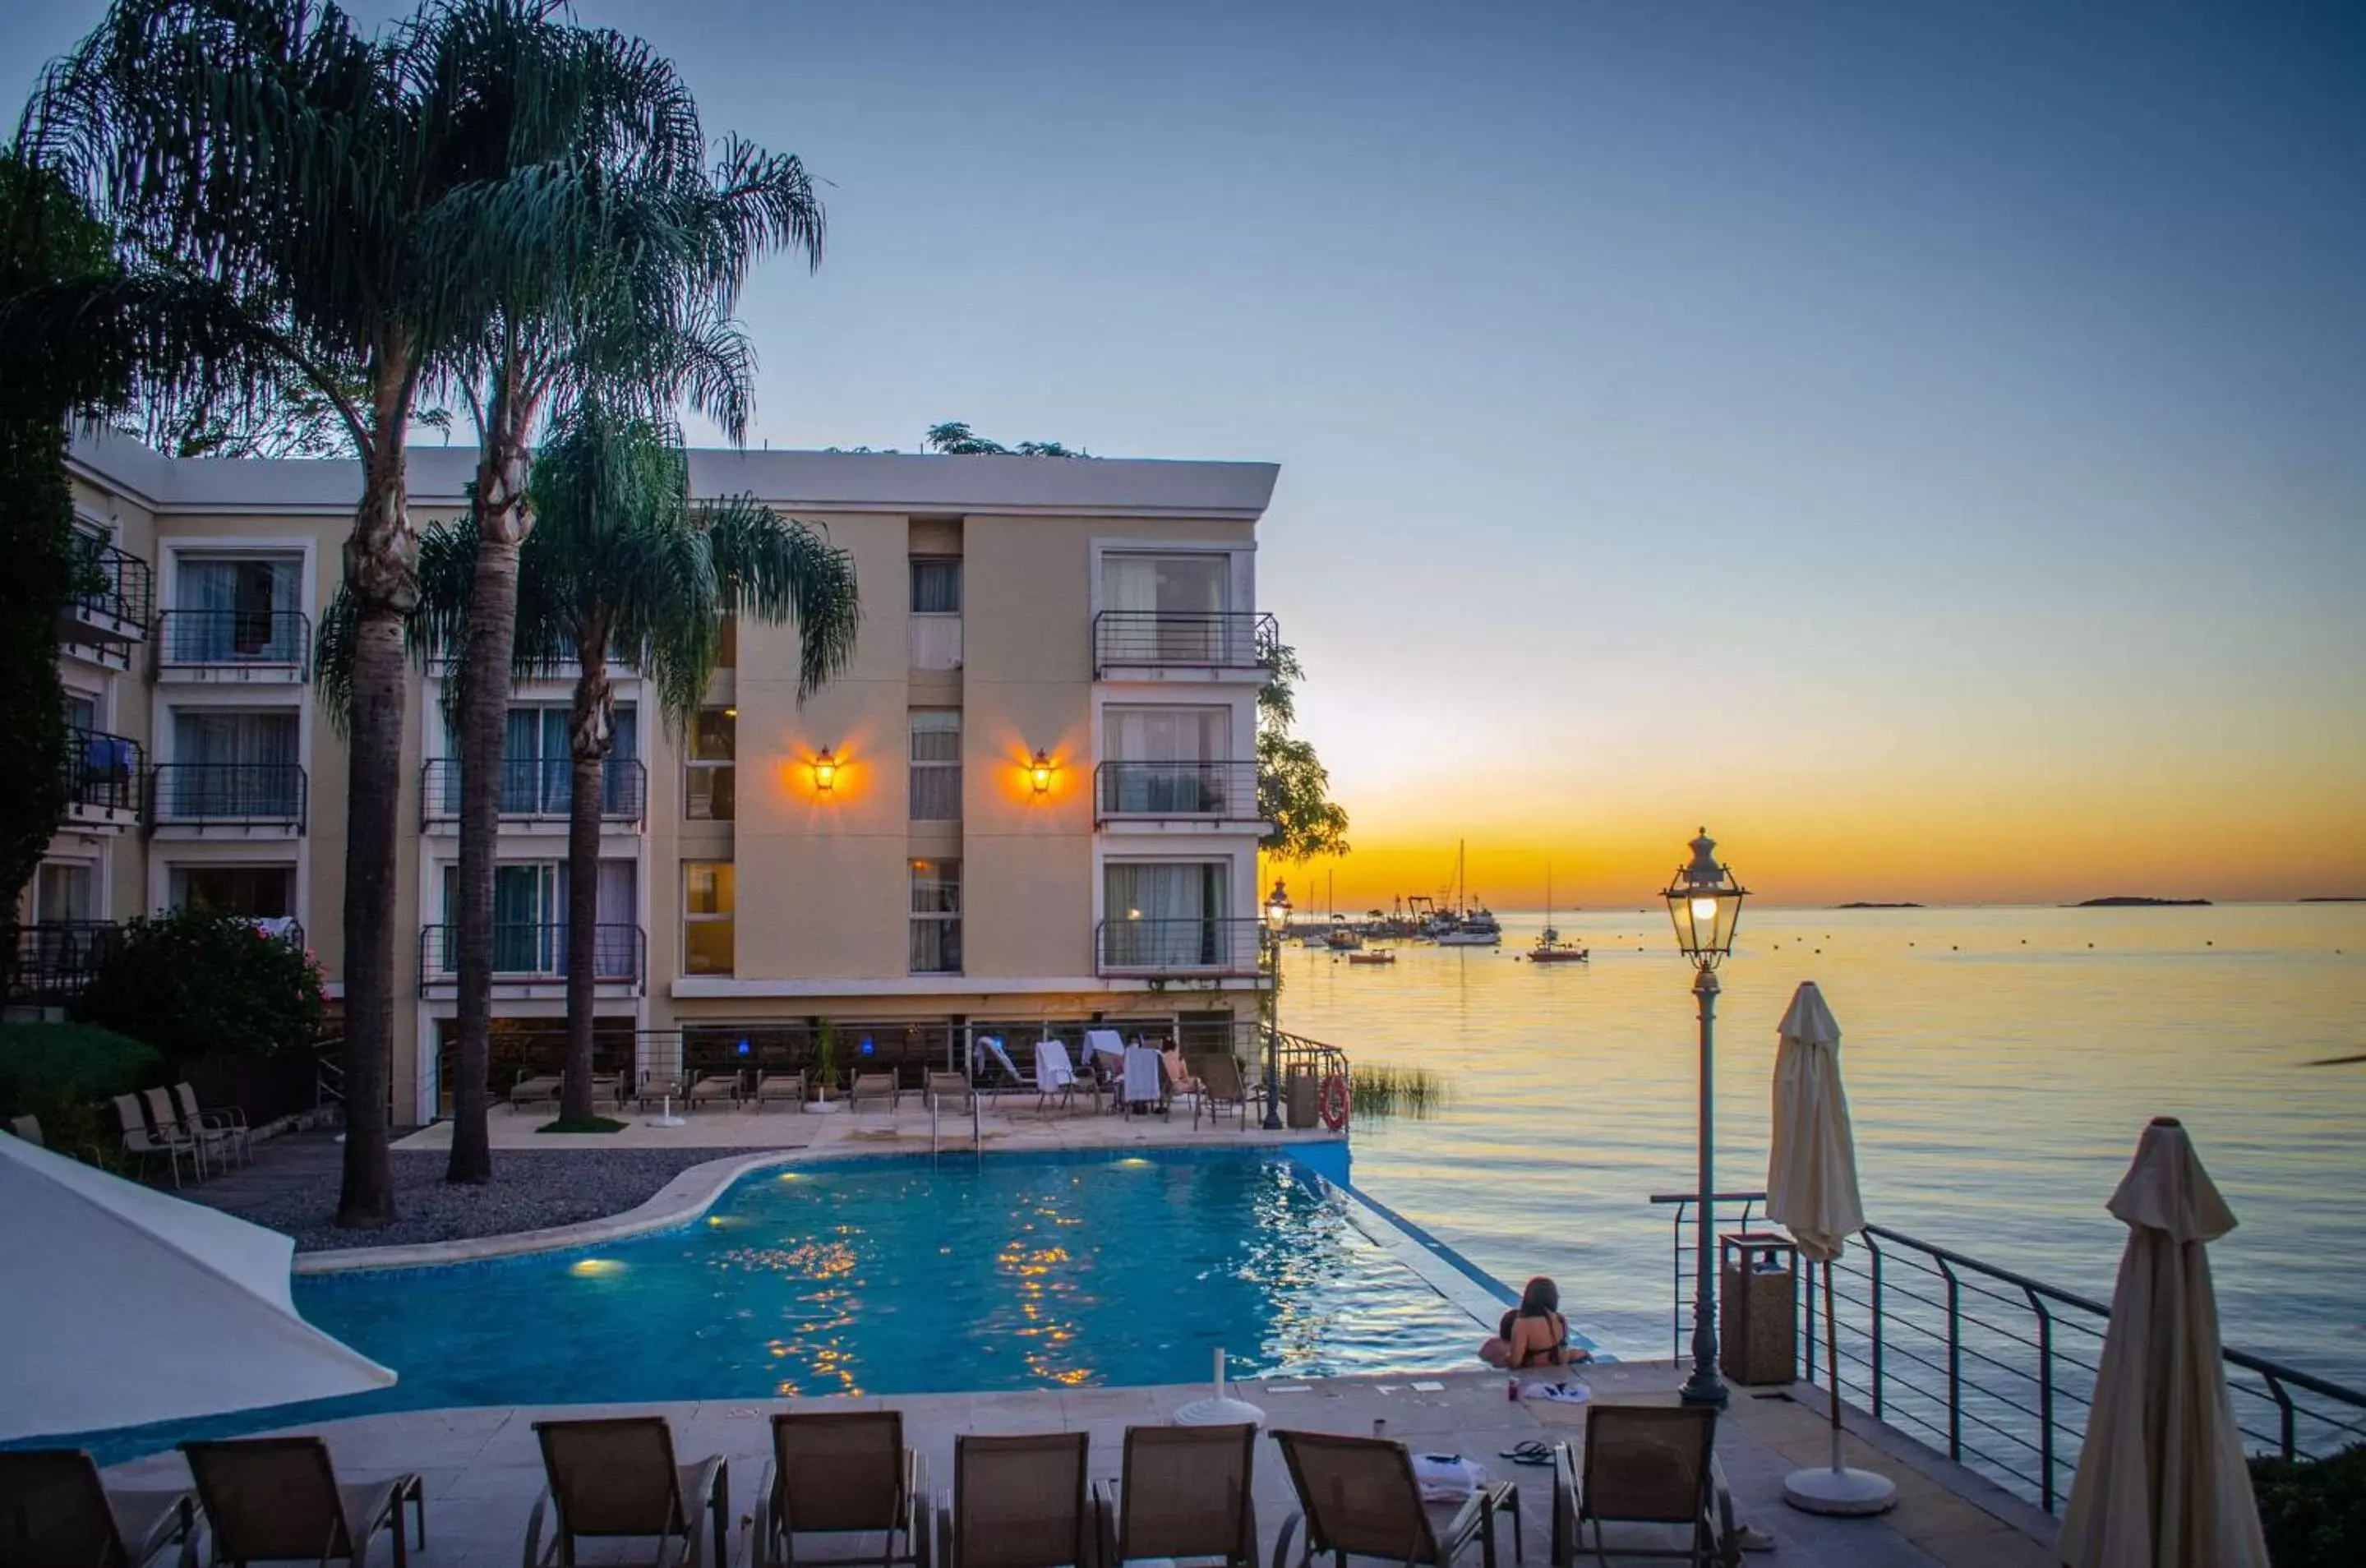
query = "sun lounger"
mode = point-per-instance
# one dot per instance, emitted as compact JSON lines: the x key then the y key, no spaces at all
{"x":712,"y":1089}
{"x":268,"y":1499}
{"x":228,"y":1126}
{"x":1221,"y":1086}
{"x":533,"y":1088}
{"x":620,"y":1478}
{"x":775,"y":1086}
{"x":988,"y":1057}
{"x":1359,"y":1495}
{"x":1017,"y":1502}
{"x":943,"y":1086}
{"x":142,"y":1140}
{"x":876,"y":1086}
{"x":657,"y":1088}
{"x":609,"y":1086}
{"x":210,"y":1143}
{"x":1055,"y":1075}
{"x":1644,"y":1464}
{"x":53,"y":1509}
{"x":1184,"y":1492}
{"x":836,"y":1472}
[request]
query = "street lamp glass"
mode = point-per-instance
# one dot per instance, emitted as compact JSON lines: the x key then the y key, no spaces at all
{"x":1705,"y":902}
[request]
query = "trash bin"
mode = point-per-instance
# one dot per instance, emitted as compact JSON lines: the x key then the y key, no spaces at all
{"x":1758,"y":1329}
{"x":1301,"y":1094}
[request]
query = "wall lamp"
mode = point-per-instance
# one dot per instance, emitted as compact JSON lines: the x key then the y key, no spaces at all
{"x":1038,"y":773}
{"x":825,"y":772}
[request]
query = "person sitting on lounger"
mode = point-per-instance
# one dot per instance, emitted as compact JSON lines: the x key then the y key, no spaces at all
{"x":1533,"y":1333}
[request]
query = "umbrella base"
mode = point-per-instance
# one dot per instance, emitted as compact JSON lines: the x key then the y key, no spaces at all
{"x":1220,"y":1412}
{"x":1823,"y":1490}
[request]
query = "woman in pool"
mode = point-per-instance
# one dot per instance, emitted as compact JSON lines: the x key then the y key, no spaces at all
{"x":1533,"y":1333}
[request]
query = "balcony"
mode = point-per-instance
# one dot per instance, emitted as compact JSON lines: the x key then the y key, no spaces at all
{"x":56,"y":959}
{"x":102,"y":782}
{"x":114,"y":592}
{"x":249,"y":799}
{"x":1191,"y":793}
{"x":1195,"y":949}
{"x":1133,"y":645}
{"x":535,"y":791}
{"x":530,"y":959}
{"x":233,"y":645}
{"x":935,"y":640}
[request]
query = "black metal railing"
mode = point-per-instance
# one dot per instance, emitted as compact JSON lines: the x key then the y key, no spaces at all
{"x":537,"y":789}
{"x":102,"y":771}
{"x":260,"y":794}
{"x":1154,"y":948}
{"x":1997,"y":1370}
{"x":1206,"y":640}
{"x":247,"y":640}
{"x":56,"y":959}
{"x":113,"y":585}
{"x":533,"y":952}
{"x":1296,"y":1053}
{"x":1223,"y":792}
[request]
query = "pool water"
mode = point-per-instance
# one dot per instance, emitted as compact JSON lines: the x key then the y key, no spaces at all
{"x":905,"y":1275}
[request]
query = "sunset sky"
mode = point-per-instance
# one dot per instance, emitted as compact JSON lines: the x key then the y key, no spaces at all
{"x":1922,"y":442}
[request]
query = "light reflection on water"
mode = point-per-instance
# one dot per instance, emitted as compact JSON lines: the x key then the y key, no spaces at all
{"x":1999,"y":1068}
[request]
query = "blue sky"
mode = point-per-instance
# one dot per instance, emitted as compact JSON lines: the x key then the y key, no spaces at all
{"x":1922,"y":440}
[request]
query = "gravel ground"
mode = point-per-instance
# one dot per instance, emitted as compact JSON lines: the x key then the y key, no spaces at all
{"x":297,"y":1192}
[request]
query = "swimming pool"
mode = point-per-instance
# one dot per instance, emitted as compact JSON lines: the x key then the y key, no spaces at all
{"x":905,"y":1275}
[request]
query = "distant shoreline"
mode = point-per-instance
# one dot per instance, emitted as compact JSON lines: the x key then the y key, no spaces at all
{"x":1867,"y":904}
{"x":2129,"y":901}
{"x":2336,"y":898}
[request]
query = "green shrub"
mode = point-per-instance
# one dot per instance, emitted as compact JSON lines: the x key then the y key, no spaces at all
{"x":2314,"y":1510}
{"x":191,"y":983}
{"x":64,"y":1074}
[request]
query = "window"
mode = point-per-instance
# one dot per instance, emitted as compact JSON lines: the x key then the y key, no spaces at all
{"x":227,"y":763}
{"x":231,"y":609}
{"x":1169,"y":609}
{"x":530,"y":909}
{"x":1167,"y":913}
{"x":1167,"y":760}
{"x":82,"y":710}
{"x":936,"y":916}
{"x":936,"y":612}
{"x":255,"y":892}
{"x":708,"y":898}
{"x":708,"y":789}
{"x":65,"y":890}
{"x":936,"y":765}
{"x":538,"y":763}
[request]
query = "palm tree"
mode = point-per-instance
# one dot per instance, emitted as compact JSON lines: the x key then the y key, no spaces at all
{"x":624,"y":565}
{"x":619,"y":270}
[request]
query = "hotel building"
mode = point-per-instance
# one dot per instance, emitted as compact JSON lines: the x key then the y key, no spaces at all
{"x":1030,"y":798}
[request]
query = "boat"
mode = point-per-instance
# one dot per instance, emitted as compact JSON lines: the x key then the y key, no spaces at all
{"x":1344,"y":937}
{"x":1550,"y":948}
{"x":1466,"y":926}
{"x":1377,"y":955}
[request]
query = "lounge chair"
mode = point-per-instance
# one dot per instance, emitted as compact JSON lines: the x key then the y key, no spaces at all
{"x":1055,"y":1075}
{"x":836,"y":1472}
{"x":657,"y":1088}
{"x":990,"y":1059}
{"x":620,"y":1478}
{"x":944,"y":1084}
{"x":229,"y":1125}
{"x":1644,"y":1464}
{"x":144,"y":1142}
{"x":28,"y":1128}
{"x":876,"y":1086}
{"x":1017,"y":1502}
{"x":1220,"y":1085}
{"x":771,"y":1085}
{"x":1359,"y":1495}
{"x":54,"y":1510}
{"x":210,"y":1143}
{"x":533,"y":1088}
{"x":1186,"y":1493}
{"x":268,"y":1499}
{"x":712,"y":1089}
{"x":609,"y":1086}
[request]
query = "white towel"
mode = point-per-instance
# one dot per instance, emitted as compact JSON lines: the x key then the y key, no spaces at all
{"x":992,"y":1047}
{"x":1052,"y":1068}
{"x":1106,"y":1043}
{"x":1446,"y":1478}
{"x":1140,"y":1074}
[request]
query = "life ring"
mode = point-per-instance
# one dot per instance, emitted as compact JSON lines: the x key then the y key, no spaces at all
{"x":1332,"y":1103}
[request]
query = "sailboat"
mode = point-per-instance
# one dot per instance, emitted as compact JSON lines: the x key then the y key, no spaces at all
{"x":1472,"y":927}
{"x":1549,"y":948}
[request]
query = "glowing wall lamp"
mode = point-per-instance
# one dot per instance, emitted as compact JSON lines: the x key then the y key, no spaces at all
{"x":825,"y":772}
{"x":1038,"y":773}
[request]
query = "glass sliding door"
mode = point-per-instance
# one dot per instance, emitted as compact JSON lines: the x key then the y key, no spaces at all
{"x":1166,"y":914}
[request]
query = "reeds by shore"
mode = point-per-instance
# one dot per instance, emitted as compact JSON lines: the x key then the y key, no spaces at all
{"x":1385,"y":1091}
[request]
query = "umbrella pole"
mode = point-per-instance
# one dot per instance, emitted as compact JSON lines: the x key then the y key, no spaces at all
{"x":1838,"y":1490}
{"x":1832,"y":1362}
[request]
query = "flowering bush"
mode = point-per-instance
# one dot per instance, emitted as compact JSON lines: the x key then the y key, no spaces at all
{"x":191,"y":983}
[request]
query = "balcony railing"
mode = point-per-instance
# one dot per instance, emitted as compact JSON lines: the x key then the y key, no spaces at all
{"x":537,"y":789}
{"x":250,"y":795}
{"x":102,"y":776}
{"x":1221,"y":792}
{"x":1183,"y":640}
{"x":1202,"y":948}
{"x":532,"y":953}
{"x":56,"y":959}
{"x":279,"y":641}
{"x":114,"y":592}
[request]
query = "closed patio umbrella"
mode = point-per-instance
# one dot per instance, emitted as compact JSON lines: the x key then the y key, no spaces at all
{"x":1811,"y":1191}
{"x":124,"y":1305}
{"x":2162,"y":1482}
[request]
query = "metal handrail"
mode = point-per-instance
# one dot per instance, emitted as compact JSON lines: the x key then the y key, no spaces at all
{"x":56,"y":959}
{"x":531,"y":951}
{"x":537,"y":789}
{"x":1190,"y":639}
{"x":1133,"y":791}
{"x":1997,"y":1368}
{"x":103,"y":770}
{"x":252,"y":793}
{"x":235,"y":639}
{"x":114,"y":584}
{"x":1196,"y":947}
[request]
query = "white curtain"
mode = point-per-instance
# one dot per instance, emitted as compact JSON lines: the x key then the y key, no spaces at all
{"x":239,"y":764}
{"x":1166,"y":914}
{"x":1182,"y":736}
{"x":247,"y":605}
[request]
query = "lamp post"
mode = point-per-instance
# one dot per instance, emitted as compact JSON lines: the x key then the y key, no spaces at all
{"x":1704,"y":901}
{"x":1276,"y":920}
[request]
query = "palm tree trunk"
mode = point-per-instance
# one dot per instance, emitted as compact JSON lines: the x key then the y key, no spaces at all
{"x":500,"y":506}
{"x":590,"y":733}
{"x":381,"y":572}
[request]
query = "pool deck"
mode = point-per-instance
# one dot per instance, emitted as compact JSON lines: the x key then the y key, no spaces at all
{"x":482,"y":1471}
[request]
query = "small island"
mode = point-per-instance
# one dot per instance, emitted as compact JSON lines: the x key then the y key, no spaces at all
{"x":1867,"y":904}
{"x":2336,"y":898}
{"x":2126,"y":901}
